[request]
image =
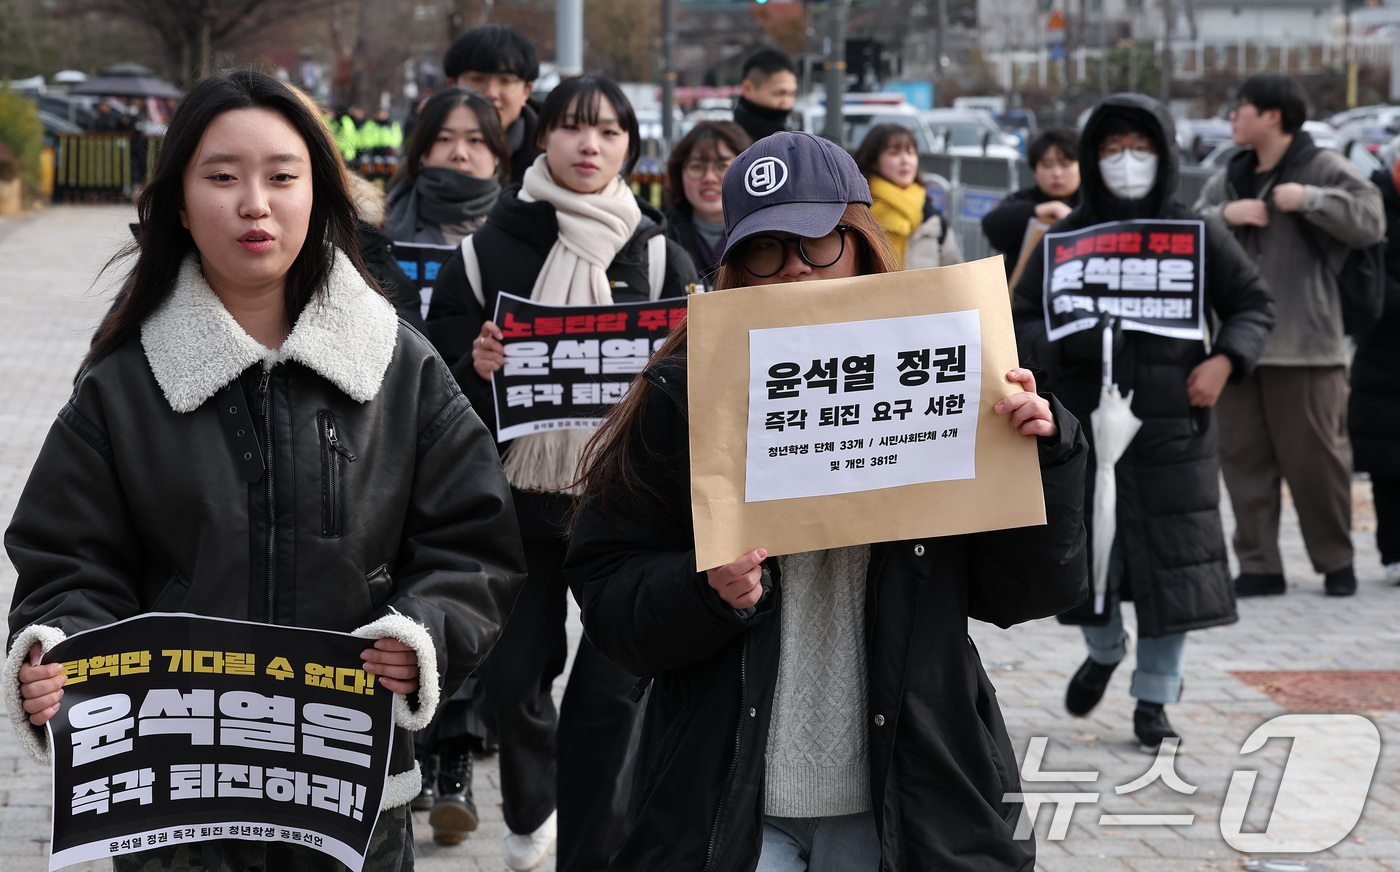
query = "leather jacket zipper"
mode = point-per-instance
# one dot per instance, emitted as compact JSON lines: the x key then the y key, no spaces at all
{"x":331,"y":492}
{"x":265,"y":391}
{"x":738,"y":740}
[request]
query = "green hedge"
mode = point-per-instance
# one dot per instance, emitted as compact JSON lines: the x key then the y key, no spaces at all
{"x":22,"y":132}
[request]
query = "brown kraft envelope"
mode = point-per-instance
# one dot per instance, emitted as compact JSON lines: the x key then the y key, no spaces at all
{"x":1005,"y":493}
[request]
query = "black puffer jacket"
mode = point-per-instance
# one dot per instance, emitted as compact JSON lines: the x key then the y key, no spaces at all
{"x":1168,"y":480}
{"x":511,"y":248}
{"x":940,"y":757}
{"x":1005,"y":226}
{"x":371,"y":493}
{"x":1373,"y":413}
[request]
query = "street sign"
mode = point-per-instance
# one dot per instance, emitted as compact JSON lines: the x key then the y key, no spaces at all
{"x":1056,"y":22}
{"x":1057,"y":51}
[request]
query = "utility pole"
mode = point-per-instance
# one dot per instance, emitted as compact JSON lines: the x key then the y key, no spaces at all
{"x":938,"y":48}
{"x":668,"y":69}
{"x":1167,"y":15}
{"x":836,"y":71}
{"x":568,"y":29}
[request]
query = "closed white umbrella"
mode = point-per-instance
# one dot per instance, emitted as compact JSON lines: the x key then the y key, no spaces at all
{"x":1114,"y":425}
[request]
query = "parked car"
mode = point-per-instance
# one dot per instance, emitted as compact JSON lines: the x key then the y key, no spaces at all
{"x":1198,"y":137}
{"x":860,"y":112}
{"x":1323,"y":135}
{"x":970,"y":133}
{"x":1371,"y":129}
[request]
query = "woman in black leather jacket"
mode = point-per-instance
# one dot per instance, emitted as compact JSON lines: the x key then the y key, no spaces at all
{"x":369,"y":498}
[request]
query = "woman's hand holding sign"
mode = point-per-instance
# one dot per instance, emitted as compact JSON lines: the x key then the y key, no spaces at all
{"x":41,"y":685}
{"x":1030,"y":412}
{"x":395,"y":663}
{"x":488,"y":354}
{"x":740,"y":584}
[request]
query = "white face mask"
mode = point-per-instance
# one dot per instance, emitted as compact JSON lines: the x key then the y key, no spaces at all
{"x":1129,"y":174}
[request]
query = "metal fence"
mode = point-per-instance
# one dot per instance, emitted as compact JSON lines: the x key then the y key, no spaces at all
{"x":966,"y":188}
{"x":101,"y":166}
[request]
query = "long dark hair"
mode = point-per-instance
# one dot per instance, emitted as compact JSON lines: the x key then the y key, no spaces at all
{"x":429,"y":124}
{"x":609,"y":461}
{"x":162,"y":241}
{"x":703,"y":139}
{"x":588,"y":89}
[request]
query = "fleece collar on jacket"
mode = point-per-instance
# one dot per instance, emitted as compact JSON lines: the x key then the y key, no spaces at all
{"x":346,"y":334}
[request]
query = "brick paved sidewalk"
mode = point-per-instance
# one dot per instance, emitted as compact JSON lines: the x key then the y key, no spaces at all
{"x":48,"y":313}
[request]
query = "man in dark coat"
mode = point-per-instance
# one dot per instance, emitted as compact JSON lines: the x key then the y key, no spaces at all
{"x":1373,"y":413}
{"x":1054,"y":158}
{"x":1169,"y":555}
{"x":767,"y":93}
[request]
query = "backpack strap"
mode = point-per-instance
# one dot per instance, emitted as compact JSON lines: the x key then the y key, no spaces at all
{"x":656,"y":264}
{"x":473,"y":266}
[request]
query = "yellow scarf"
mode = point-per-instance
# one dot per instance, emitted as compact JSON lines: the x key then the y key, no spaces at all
{"x":899,"y":210}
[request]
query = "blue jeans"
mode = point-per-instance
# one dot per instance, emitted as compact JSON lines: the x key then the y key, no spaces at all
{"x":846,"y":843}
{"x":1160,"y":660}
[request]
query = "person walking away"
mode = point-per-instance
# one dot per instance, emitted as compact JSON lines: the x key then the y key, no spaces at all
{"x":766,"y":94}
{"x":1297,"y":210}
{"x":694,"y":178}
{"x":135,"y":504}
{"x":824,"y":710}
{"x":498,"y":61}
{"x":917,"y":231}
{"x":1373,"y":413}
{"x":572,"y":233}
{"x":1054,"y":158}
{"x":1169,"y":552}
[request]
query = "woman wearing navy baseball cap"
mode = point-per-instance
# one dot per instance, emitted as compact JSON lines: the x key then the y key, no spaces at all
{"x":824,"y":710}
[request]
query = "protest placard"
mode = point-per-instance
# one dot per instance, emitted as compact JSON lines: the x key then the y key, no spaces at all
{"x":565,"y":366}
{"x":421,"y":261}
{"x":1148,"y":274}
{"x":833,"y":413}
{"x":180,"y":728}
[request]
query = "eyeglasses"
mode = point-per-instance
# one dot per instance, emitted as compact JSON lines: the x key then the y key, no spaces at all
{"x":765,"y":255}
{"x":696,"y":169}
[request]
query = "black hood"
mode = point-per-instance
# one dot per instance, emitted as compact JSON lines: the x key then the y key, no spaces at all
{"x":1154,"y":119}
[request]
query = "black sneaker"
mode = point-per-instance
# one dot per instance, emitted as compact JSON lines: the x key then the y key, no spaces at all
{"x":428,"y":767}
{"x":1087,"y":686}
{"x":454,"y":814}
{"x":1260,"y":584}
{"x":1340,"y":582}
{"x":1151,"y":729}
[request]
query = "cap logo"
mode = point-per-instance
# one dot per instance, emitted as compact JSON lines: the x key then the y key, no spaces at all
{"x":765,"y":176}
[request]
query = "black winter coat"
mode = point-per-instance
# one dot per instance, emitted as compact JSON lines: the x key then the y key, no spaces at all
{"x":377,"y":249}
{"x":940,"y":757}
{"x":1373,"y":412}
{"x":511,"y":248}
{"x":372,"y":489}
{"x":1005,"y":226}
{"x":1169,"y":478}
{"x":680,"y":228}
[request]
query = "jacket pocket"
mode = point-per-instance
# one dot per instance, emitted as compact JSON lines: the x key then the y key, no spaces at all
{"x":334,"y":454}
{"x":381,"y":586}
{"x":172,"y":597}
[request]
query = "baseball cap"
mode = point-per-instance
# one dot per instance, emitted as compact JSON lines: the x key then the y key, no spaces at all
{"x":789,"y":182}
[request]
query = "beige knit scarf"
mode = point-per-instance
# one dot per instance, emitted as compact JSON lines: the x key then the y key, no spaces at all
{"x":592,"y":230}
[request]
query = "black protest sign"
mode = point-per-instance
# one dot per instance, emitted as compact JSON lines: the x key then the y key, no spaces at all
{"x":421,"y":262}
{"x":179,"y":728}
{"x":1147,"y":274}
{"x":565,"y":365}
